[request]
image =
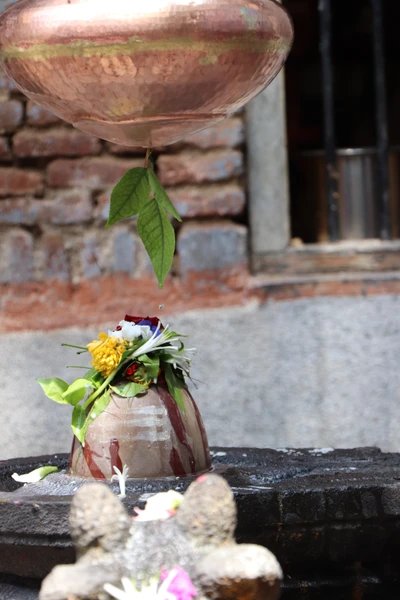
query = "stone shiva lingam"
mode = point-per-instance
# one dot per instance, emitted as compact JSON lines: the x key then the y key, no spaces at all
{"x":132,"y":411}
{"x":177,"y":548}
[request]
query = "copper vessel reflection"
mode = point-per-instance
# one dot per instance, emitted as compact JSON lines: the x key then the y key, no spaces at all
{"x":143,"y":73}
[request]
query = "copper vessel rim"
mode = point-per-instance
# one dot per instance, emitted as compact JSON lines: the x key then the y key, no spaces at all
{"x":181,"y":116}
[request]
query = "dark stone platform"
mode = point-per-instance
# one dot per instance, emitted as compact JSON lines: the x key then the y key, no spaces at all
{"x":332,"y":517}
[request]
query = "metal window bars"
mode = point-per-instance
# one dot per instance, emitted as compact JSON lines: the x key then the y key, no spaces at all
{"x":382,"y":143}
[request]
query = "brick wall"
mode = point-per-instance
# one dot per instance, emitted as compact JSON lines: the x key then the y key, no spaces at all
{"x":55,"y":184}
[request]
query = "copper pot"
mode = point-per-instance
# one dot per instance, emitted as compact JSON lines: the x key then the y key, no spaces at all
{"x":148,"y":434}
{"x":143,"y":73}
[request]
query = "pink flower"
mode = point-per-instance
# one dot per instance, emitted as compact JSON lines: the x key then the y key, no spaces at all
{"x":177,"y":584}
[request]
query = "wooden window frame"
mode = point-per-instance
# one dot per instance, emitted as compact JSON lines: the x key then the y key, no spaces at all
{"x":269,"y":207}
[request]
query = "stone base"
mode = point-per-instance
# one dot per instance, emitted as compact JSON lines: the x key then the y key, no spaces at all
{"x":332,"y":518}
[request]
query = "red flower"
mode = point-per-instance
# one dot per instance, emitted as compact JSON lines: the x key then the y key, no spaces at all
{"x":132,"y":370}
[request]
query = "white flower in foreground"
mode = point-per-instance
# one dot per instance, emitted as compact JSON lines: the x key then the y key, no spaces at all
{"x":179,"y":358}
{"x":130,"y":592}
{"x":34,"y":476}
{"x":160,"y":506}
{"x":121,"y":478}
{"x":158,"y":341}
{"x":176,"y":585}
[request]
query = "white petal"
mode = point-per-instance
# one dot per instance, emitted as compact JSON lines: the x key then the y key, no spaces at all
{"x":130,"y":331}
{"x":145,"y":332}
{"x":128,"y":586}
{"x":34,"y":476}
{"x":116,"y":592}
{"x":115,"y":334}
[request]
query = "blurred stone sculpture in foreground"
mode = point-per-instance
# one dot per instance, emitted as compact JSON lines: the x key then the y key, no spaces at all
{"x":191,"y":540}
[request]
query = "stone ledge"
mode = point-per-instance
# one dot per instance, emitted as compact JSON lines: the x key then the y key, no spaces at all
{"x":72,"y":303}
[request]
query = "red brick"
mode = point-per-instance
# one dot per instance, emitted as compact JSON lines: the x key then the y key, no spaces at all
{"x":227,"y":133}
{"x":128,"y":150}
{"x":11,"y":115}
{"x":53,"y":257}
{"x":17,"y":211}
{"x":120,"y":150}
{"x":16,"y":257}
{"x":208,"y":201}
{"x":5,"y":152}
{"x":102,"y":208}
{"x":88,"y":303}
{"x":194,"y":167}
{"x":67,"y":207}
{"x":212,"y":246}
{"x":40,"y":116}
{"x":54,"y":142}
{"x":90,"y":256}
{"x":16,"y":182}
{"x":93,"y":173}
{"x":122,"y":258}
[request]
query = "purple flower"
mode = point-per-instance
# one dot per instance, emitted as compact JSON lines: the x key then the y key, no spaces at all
{"x":177,"y":584}
{"x":151,"y":324}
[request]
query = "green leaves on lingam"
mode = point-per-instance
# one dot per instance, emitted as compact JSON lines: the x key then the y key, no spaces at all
{"x":140,"y":193}
{"x":83,"y":416}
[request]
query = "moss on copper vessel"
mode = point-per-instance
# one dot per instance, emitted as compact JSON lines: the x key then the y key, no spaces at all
{"x":248,"y":43}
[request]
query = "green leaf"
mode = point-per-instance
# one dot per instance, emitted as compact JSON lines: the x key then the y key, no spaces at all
{"x":135,"y":346}
{"x":129,"y":195}
{"x":152,"y":364}
{"x":129,"y":390}
{"x":78,"y":422}
{"x":34,"y":476}
{"x":81,"y":419}
{"x":77,"y":391}
{"x":161,"y":196}
{"x":175,"y":385}
{"x":158,"y":237}
{"x":95,"y":378}
{"x":90,"y":374}
{"x":54,"y":389}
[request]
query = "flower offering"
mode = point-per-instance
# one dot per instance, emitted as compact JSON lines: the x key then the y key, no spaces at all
{"x":139,"y":352}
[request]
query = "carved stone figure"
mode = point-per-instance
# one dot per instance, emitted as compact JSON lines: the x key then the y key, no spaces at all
{"x":198,"y":537}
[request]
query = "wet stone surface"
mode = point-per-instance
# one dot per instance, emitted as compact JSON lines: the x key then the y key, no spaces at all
{"x":328,"y":515}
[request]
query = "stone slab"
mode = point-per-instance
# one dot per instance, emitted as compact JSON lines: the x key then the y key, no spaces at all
{"x":321,"y":511}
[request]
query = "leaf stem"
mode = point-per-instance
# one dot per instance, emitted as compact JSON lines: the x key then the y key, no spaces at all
{"x":105,"y":383}
{"x":72,"y":346}
{"x":146,"y":160}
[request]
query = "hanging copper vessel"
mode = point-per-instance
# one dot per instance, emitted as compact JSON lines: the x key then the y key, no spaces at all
{"x":143,"y":73}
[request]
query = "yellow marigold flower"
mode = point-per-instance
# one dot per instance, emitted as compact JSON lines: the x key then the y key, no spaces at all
{"x":106,"y":353}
